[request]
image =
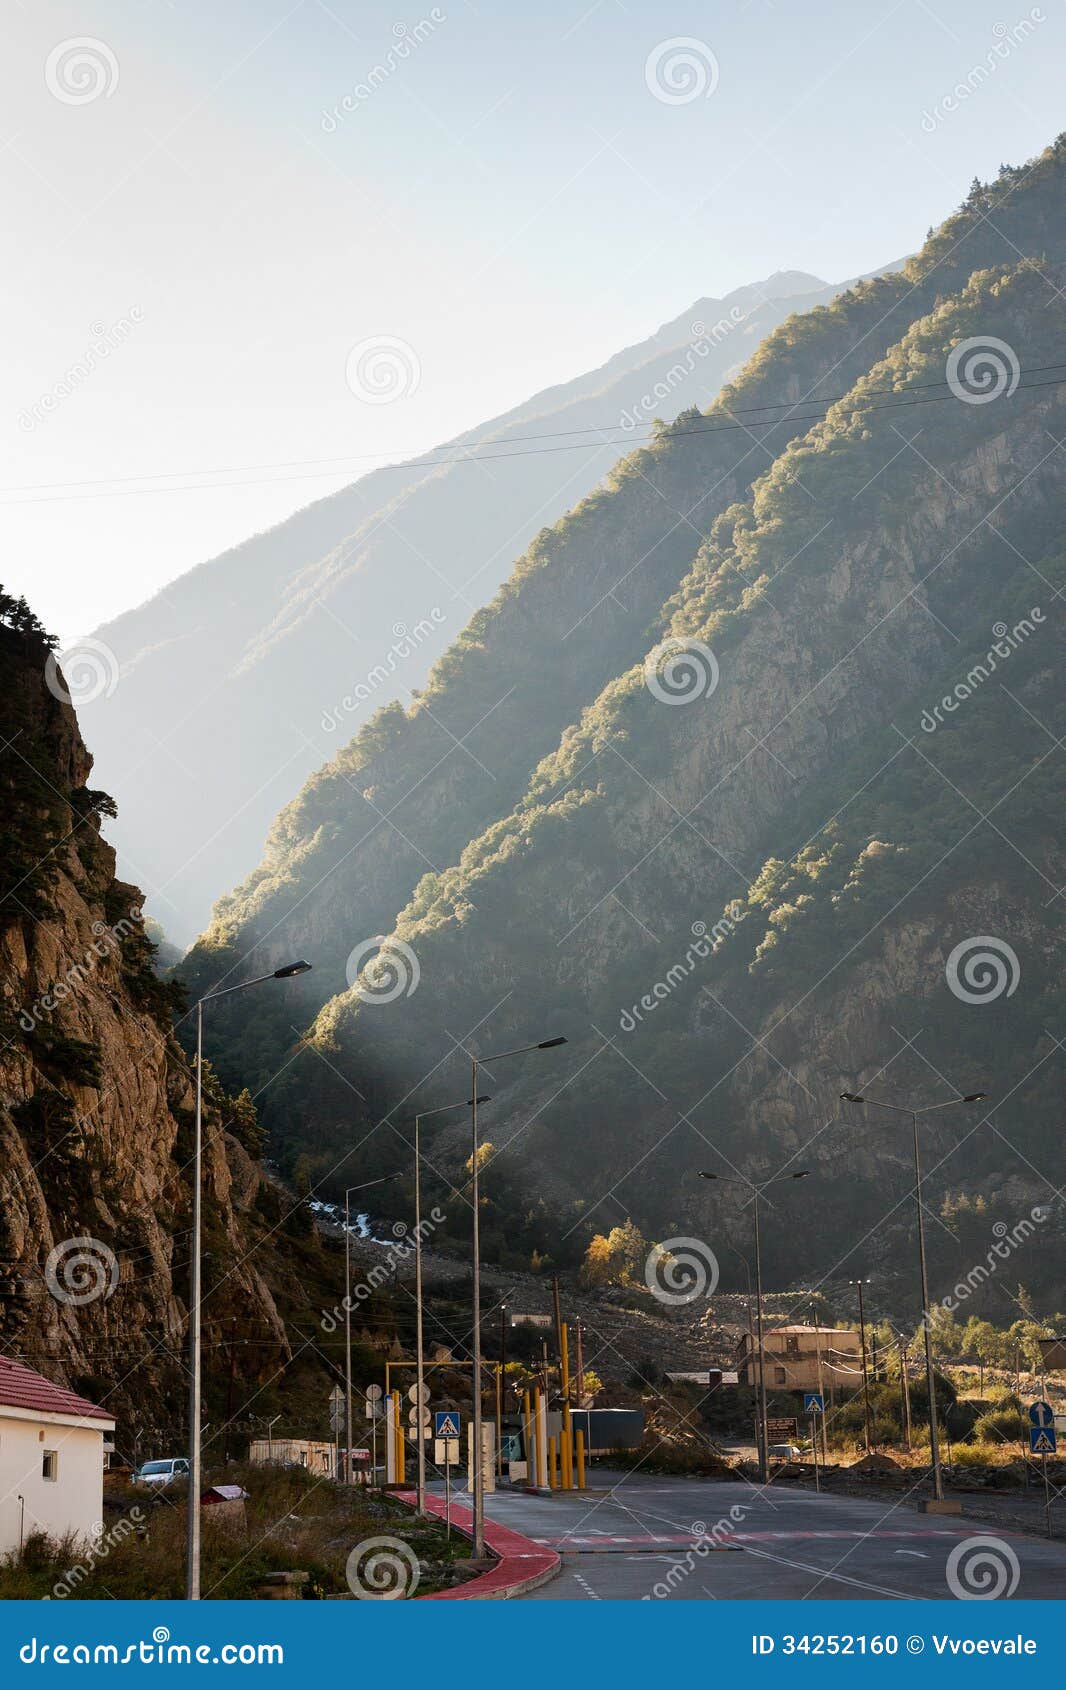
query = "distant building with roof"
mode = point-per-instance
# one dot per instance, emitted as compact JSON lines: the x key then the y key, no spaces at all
{"x":51,"y":1458}
{"x":802,"y":1358}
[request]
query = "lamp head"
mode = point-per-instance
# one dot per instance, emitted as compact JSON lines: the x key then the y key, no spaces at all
{"x":851,"y":1097}
{"x":291,"y":969}
{"x":550,"y":1044}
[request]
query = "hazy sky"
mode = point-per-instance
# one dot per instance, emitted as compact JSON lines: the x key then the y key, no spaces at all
{"x":197,"y":224}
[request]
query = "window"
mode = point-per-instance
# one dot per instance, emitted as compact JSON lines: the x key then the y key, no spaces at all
{"x":49,"y":1464}
{"x":792,"y":1346}
{"x":780,"y":1376}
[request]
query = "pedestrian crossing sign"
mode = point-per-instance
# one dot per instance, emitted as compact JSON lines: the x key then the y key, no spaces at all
{"x":813,"y":1402}
{"x":446,"y":1423}
{"x":1041,"y":1441}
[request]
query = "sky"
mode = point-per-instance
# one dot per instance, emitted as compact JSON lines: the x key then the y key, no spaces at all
{"x":255,"y":249}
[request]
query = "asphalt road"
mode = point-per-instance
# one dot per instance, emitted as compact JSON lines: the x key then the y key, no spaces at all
{"x":649,"y":1537}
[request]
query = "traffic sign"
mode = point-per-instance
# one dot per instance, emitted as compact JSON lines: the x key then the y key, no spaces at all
{"x":446,"y":1423}
{"x":1041,"y":1442}
{"x":813,"y":1402}
{"x":374,"y":1393}
{"x":1042,"y":1414}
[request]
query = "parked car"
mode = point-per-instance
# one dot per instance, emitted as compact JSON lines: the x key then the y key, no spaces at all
{"x":162,"y":1472}
{"x":785,"y":1452}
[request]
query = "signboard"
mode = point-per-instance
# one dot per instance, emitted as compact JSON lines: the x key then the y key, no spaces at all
{"x":1042,"y":1442}
{"x":336,"y":1408}
{"x":446,"y":1423}
{"x":813,"y":1402}
{"x":446,"y":1452}
{"x":1053,"y":1351}
{"x":780,"y":1431}
{"x":541,"y":1322}
{"x":1043,"y":1415}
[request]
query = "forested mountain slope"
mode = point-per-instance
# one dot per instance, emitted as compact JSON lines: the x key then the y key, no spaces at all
{"x":712,"y":842}
{"x":242,"y":677}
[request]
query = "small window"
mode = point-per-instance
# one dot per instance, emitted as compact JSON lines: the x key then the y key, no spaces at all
{"x":49,"y":1464}
{"x":792,"y":1346}
{"x":780,"y":1376}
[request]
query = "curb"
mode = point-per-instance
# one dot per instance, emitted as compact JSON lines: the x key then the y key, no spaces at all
{"x":522,"y":1564}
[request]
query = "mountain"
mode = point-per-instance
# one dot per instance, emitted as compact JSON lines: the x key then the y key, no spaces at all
{"x":675,"y":795}
{"x":238,"y":680}
{"x":96,"y":1110}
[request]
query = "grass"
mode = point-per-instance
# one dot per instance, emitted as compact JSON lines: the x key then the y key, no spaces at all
{"x":292,"y":1523}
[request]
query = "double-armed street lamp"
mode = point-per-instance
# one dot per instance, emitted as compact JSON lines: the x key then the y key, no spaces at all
{"x":476,"y":1063}
{"x":192,"y":1569}
{"x":914,"y":1114}
{"x":420,"y":1360}
{"x":757,"y":1187}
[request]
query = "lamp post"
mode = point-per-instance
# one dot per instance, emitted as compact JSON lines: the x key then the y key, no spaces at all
{"x":420,"y":1366}
{"x":192,"y":1567}
{"x":757,"y":1188}
{"x":348,"y":1315}
{"x":930,"y":1108}
{"x":477,"y":1062}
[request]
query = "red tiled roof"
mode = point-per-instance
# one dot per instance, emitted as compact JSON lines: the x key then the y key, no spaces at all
{"x":21,"y":1387}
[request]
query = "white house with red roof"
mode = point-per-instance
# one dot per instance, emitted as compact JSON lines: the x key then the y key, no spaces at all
{"x":51,"y":1458}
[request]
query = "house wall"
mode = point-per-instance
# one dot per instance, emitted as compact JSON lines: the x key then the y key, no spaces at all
{"x":73,"y":1502}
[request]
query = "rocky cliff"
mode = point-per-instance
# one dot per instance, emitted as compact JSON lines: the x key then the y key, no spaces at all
{"x":96,"y":1095}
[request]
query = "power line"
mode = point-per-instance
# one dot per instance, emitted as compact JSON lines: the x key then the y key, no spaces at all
{"x":789,"y":407}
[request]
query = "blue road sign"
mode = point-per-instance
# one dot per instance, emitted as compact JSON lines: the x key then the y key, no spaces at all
{"x":813,"y":1402}
{"x":446,"y":1423}
{"x":1041,"y":1441}
{"x":1042,"y":1414}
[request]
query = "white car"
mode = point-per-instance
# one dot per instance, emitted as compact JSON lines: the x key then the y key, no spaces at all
{"x":162,"y":1472}
{"x":785,"y":1452}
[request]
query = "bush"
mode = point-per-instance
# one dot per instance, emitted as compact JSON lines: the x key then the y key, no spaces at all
{"x":1002,"y":1425}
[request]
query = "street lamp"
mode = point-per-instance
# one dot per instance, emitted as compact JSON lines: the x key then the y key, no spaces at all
{"x":477,"y":1062}
{"x":348,"y":1318}
{"x":192,"y":1570}
{"x":420,"y":1383}
{"x":865,"y":1376}
{"x":930,"y":1108}
{"x":757,"y":1188}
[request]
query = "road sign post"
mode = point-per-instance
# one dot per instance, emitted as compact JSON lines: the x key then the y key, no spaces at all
{"x":446,"y":1431}
{"x":1043,"y":1441}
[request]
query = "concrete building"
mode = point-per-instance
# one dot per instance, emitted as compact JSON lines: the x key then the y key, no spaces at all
{"x":51,"y":1458}
{"x":802,"y":1358}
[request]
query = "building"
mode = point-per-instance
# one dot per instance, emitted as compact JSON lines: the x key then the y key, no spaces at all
{"x":802,"y":1358}
{"x":51,"y":1458}
{"x":315,"y":1454}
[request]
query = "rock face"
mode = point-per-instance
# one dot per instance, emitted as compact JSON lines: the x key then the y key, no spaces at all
{"x":688,"y":793}
{"x":96,"y":1096}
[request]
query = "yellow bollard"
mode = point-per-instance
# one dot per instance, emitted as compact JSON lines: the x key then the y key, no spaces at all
{"x":527,"y":1442}
{"x":580,"y":1442}
{"x":534,"y":1444}
{"x":553,"y":1477}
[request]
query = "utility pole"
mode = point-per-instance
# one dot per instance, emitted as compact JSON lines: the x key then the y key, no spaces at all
{"x":865,"y":1376}
{"x":905,"y":1392}
{"x":557,"y":1302}
{"x":229,"y":1386}
{"x":580,"y":1368}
